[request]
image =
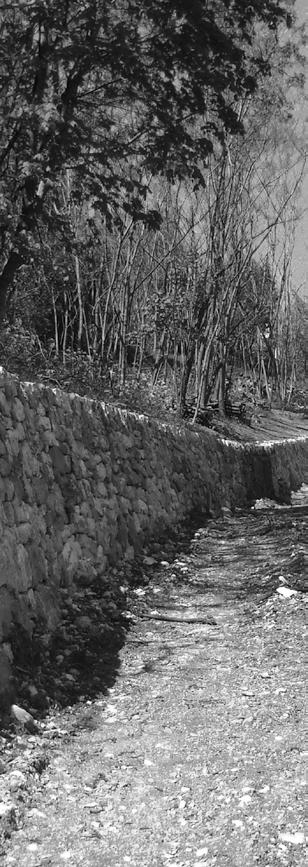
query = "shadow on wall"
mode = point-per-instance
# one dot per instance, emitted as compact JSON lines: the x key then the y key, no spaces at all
{"x":79,"y":659}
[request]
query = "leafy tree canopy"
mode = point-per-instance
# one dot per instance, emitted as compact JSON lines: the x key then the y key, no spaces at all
{"x":116,"y":92}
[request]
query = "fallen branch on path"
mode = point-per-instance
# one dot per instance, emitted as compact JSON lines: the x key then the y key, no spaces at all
{"x":173,"y":618}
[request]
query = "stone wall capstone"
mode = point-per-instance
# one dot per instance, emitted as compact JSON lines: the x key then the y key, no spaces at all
{"x":84,"y":485}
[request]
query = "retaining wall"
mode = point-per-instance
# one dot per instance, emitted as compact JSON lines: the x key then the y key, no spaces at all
{"x":84,"y":485}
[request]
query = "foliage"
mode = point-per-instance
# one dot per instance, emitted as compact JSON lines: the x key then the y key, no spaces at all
{"x":149,"y":165}
{"x":115,"y":92}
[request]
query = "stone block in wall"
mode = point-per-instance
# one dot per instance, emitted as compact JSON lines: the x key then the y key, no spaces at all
{"x":70,"y":495}
{"x":102,"y":443}
{"x":125,"y":505}
{"x":67,"y":532}
{"x":40,"y":490}
{"x":6,"y":612}
{"x":101,"y":565}
{"x":46,"y":468}
{"x":9,"y":489}
{"x":41,"y":409}
{"x":87,"y":572}
{"x":6,"y":691}
{"x":65,"y":447}
{"x":11,"y":385}
{"x":121,"y":484}
{"x":5,"y":407}
{"x":38,"y":563}
{"x":71,"y":557}
{"x":33,"y":397}
{"x":88,"y":545}
{"x":101,"y":472}
{"x":7,"y":424}
{"x":30,"y":464}
{"x":85,"y":492}
{"x":129,"y":555}
{"x":49,"y":439}
{"x":101,"y":490}
{"x":24,"y":533}
{"x":142,"y":507}
{"x":104,"y":534}
{"x":18,"y":411}
{"x":112,"y":506}
{"x":30,"y":422}
{"x":43,"y":423}
{"x":179,"y":481}
{"x":122,"y":532}
{"x":47,"y":606}
{"x":52,"y":559}
{"x":133,"y":476}
{"x":79,"y":468}
{"x":23,"y":574}
{"x":127,"y":442}
{"x":23,"y":612}
{"x":132,"y":531}
{"x":20,"y":430}
{"x":139,"y":471}
{"x":54,"y":505}
{"x":3,"y":426}
{"x":86,"y":509}
{"x":79,"y":451}
{"x":56,"y":534}
{"x":61,"y":462}
{"x":12,"y":444}
{"x":22,"y":489}
{"x":115,"y":554}
{"x":23,"y":512}
{"x":85,"y":525}
{"x":99,"y":507}
{"x":8,"y":560}
{"x":9,"y":514}
{"x":5,"y":466}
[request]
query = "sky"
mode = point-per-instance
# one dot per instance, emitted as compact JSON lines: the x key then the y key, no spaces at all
{"x":300,"y":260}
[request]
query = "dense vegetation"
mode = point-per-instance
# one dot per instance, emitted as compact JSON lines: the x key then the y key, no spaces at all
{"x":150,"y":160}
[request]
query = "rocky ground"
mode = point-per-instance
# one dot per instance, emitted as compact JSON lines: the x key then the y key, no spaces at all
{"x":180,"y":741}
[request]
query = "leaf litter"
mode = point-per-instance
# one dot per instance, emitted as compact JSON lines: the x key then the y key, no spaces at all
{"x":194,"y":753}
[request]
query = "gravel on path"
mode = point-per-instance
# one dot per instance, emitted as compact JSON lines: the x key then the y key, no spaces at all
{"x":195,"y":756}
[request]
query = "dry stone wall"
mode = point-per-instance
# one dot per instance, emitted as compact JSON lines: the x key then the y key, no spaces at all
{"x":84,"y":485}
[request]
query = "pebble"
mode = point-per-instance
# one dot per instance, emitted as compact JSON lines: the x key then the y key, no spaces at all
{"x":17,"y":780}
{"x":296,"y":839}
{"x":6,"y":810}
{"x":83,"y":622}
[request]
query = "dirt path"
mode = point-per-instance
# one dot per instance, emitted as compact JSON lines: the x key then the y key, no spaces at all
{"x":196,"y":755}
{"x":278,"y":424}
{"x":266,"y":425}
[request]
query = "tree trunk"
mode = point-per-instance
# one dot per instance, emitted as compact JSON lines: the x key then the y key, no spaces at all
{"x":80,"y":304}
{"x":11,"y":267}
{"x":185,"y":378}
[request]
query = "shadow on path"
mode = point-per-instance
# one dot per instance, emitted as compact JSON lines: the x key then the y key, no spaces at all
{"x":80,"y":660}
